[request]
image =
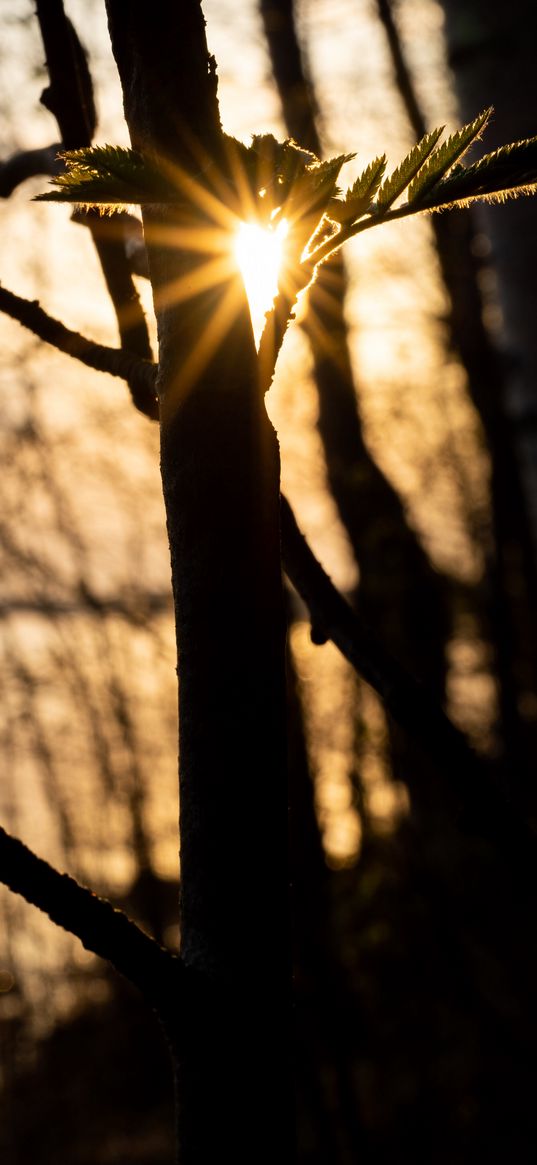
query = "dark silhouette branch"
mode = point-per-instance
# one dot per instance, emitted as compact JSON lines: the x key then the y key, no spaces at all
{"x":101,"y":928}
{"x":470,"y":786}
{"x":28,"y":164}
{"x":115,"y":361}
{"x":404,"y":697}
{"x":70,"y":98}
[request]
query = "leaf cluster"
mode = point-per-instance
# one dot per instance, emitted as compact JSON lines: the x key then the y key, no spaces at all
{"x":108,"y":175}
{"x":286,"y":181}
{"x":420,"y":173}
{"x":282,"y":180}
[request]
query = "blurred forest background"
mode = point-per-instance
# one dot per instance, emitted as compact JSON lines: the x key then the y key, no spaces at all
{"x":406,"y":407}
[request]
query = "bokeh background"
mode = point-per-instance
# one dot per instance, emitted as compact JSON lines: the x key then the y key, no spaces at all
{"x":410,"y":464}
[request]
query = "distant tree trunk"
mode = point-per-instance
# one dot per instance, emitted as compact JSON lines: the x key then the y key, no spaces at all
{"x":491,"y":49}
{"x":220,"y":472}
{"x":492,"y":54}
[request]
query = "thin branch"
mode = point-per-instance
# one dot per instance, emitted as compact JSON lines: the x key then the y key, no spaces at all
{"x":28,"y":164}
{"x":473,"y":796}
{"x":101,"y":928}
{"x":115,"y":361}
{"x":70,"y":98}
{"x":135,"y":608}
{"x":407,"y":700}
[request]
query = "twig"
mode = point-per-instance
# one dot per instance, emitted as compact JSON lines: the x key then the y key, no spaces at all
{"x":70,"y":99}
{"x":471,"y":788}
{"x":408,"y":701}
{"x":115,"y":361}
{"x":28,"y":164}
{"x":101,"y":928}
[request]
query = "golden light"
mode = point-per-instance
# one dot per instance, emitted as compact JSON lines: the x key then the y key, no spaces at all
{"x":258,"y":252}
{"x":226,"y":240}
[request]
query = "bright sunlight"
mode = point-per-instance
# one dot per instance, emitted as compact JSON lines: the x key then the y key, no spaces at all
{"x":258,"y":252}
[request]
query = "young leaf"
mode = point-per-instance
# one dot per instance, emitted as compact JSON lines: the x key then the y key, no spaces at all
{"x":445,"y":157}
{"x":407,"y":170}
{"x":307,"y":200}
{"x":506,"y":172}
{"x":271,"y":161}
{"x":270,"y":168}
{"x":360,"y":196}
{"x":109,"y":175}
{"x":312,"y":188}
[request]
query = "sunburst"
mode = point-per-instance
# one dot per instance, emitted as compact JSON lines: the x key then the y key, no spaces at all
{"x":226,"y":246}
{"x":258,"y":253}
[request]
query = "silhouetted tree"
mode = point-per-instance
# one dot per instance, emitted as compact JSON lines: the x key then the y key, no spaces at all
{"x":225,"y":1002}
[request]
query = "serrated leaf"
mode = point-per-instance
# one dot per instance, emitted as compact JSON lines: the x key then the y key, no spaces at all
{"x":442,"y":160}
{"x":407,"y":170}
{"x":316,"y":184}
{"x":359,"y":197}
{"x":308,"y":198}
{"x":293,"y":160}
{"x":114,"y":160}
{"x":108,"y":175}
{"x":504,"y":173}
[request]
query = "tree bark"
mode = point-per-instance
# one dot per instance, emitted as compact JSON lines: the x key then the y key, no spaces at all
{"x":220,"y":474}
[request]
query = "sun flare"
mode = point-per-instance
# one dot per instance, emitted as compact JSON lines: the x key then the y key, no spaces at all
{"x":258,"y":252}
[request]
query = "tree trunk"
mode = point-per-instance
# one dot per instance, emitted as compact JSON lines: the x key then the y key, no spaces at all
{"x":220,"y":473}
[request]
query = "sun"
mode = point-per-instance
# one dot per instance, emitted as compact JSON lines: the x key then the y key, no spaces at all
{"x":258,"y":252}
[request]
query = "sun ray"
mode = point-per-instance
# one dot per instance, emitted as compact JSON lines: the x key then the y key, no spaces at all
{"x":201,"y":355}
{"x":203,"y":239}
{"x":194,"y":282}
{"x":223,"y":227}
{"x":209,"y":205}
